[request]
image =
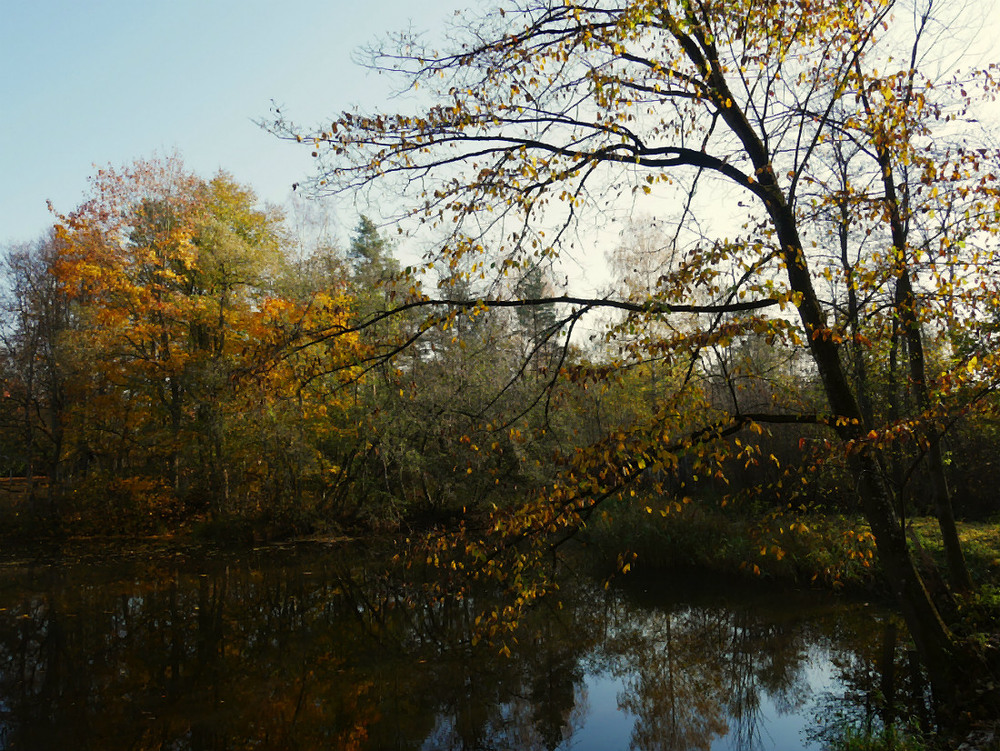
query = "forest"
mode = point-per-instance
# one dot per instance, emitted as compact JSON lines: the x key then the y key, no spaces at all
{"x":797,"y":345}
{"x":174,"y":354}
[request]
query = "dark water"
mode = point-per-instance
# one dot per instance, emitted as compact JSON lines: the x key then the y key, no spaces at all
{"x":302,"y":648}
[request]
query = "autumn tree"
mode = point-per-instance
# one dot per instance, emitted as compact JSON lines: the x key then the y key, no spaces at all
{"x":183,"y":375}
{"x":124,"y":258}
{"x":544,"y":112}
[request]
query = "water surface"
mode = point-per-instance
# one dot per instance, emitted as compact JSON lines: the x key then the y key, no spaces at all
{"x":304,"y":647}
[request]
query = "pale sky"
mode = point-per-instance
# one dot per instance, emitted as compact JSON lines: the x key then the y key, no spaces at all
{"x":87,"y":83}
{"x":98,"y":82}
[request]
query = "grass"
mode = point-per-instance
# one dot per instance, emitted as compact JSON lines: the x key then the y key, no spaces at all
{"x":980,"y":543}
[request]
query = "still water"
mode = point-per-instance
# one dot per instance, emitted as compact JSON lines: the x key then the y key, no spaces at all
{"x":302,"y":647}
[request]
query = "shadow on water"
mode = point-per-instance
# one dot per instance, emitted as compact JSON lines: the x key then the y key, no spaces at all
{"x":307,"y":647}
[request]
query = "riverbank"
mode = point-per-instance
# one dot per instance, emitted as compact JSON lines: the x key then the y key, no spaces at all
{"x":826,"y":550}
{"x":803,"y":549}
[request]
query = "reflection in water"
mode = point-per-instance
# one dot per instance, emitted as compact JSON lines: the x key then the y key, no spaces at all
{"x":294,"y":649}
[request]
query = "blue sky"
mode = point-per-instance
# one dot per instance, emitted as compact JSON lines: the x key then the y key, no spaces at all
{"x":100,"y":82}
{"x":87,"y":83}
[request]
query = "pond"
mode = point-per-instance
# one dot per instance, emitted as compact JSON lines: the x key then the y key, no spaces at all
{"x":301,"y":647}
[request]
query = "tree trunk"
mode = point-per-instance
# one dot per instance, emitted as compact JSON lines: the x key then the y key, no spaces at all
{"x":906,"y":312}
{"x":958,"y":571}
{"x":933,"y":639}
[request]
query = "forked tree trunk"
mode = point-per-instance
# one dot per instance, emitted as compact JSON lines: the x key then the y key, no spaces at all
{"x":933,"y":639}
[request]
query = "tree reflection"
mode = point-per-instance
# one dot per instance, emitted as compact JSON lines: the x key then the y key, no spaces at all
{"x":882,"y":684}
{"x":306,"y":649}
{"x":672,"y":687}
{"x":694,"y":675}
{"x":280,"y":653}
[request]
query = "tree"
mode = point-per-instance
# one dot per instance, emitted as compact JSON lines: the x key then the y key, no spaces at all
{"x":36,"y":315}
{"x":370,"y":254}
{"x":184,"y":376}
{"x":421,"y":449}
{"x":544,"y":106}
{"x":124,"y":259}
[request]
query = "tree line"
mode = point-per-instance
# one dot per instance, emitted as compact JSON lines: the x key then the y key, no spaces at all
{"x":173,"y":352}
